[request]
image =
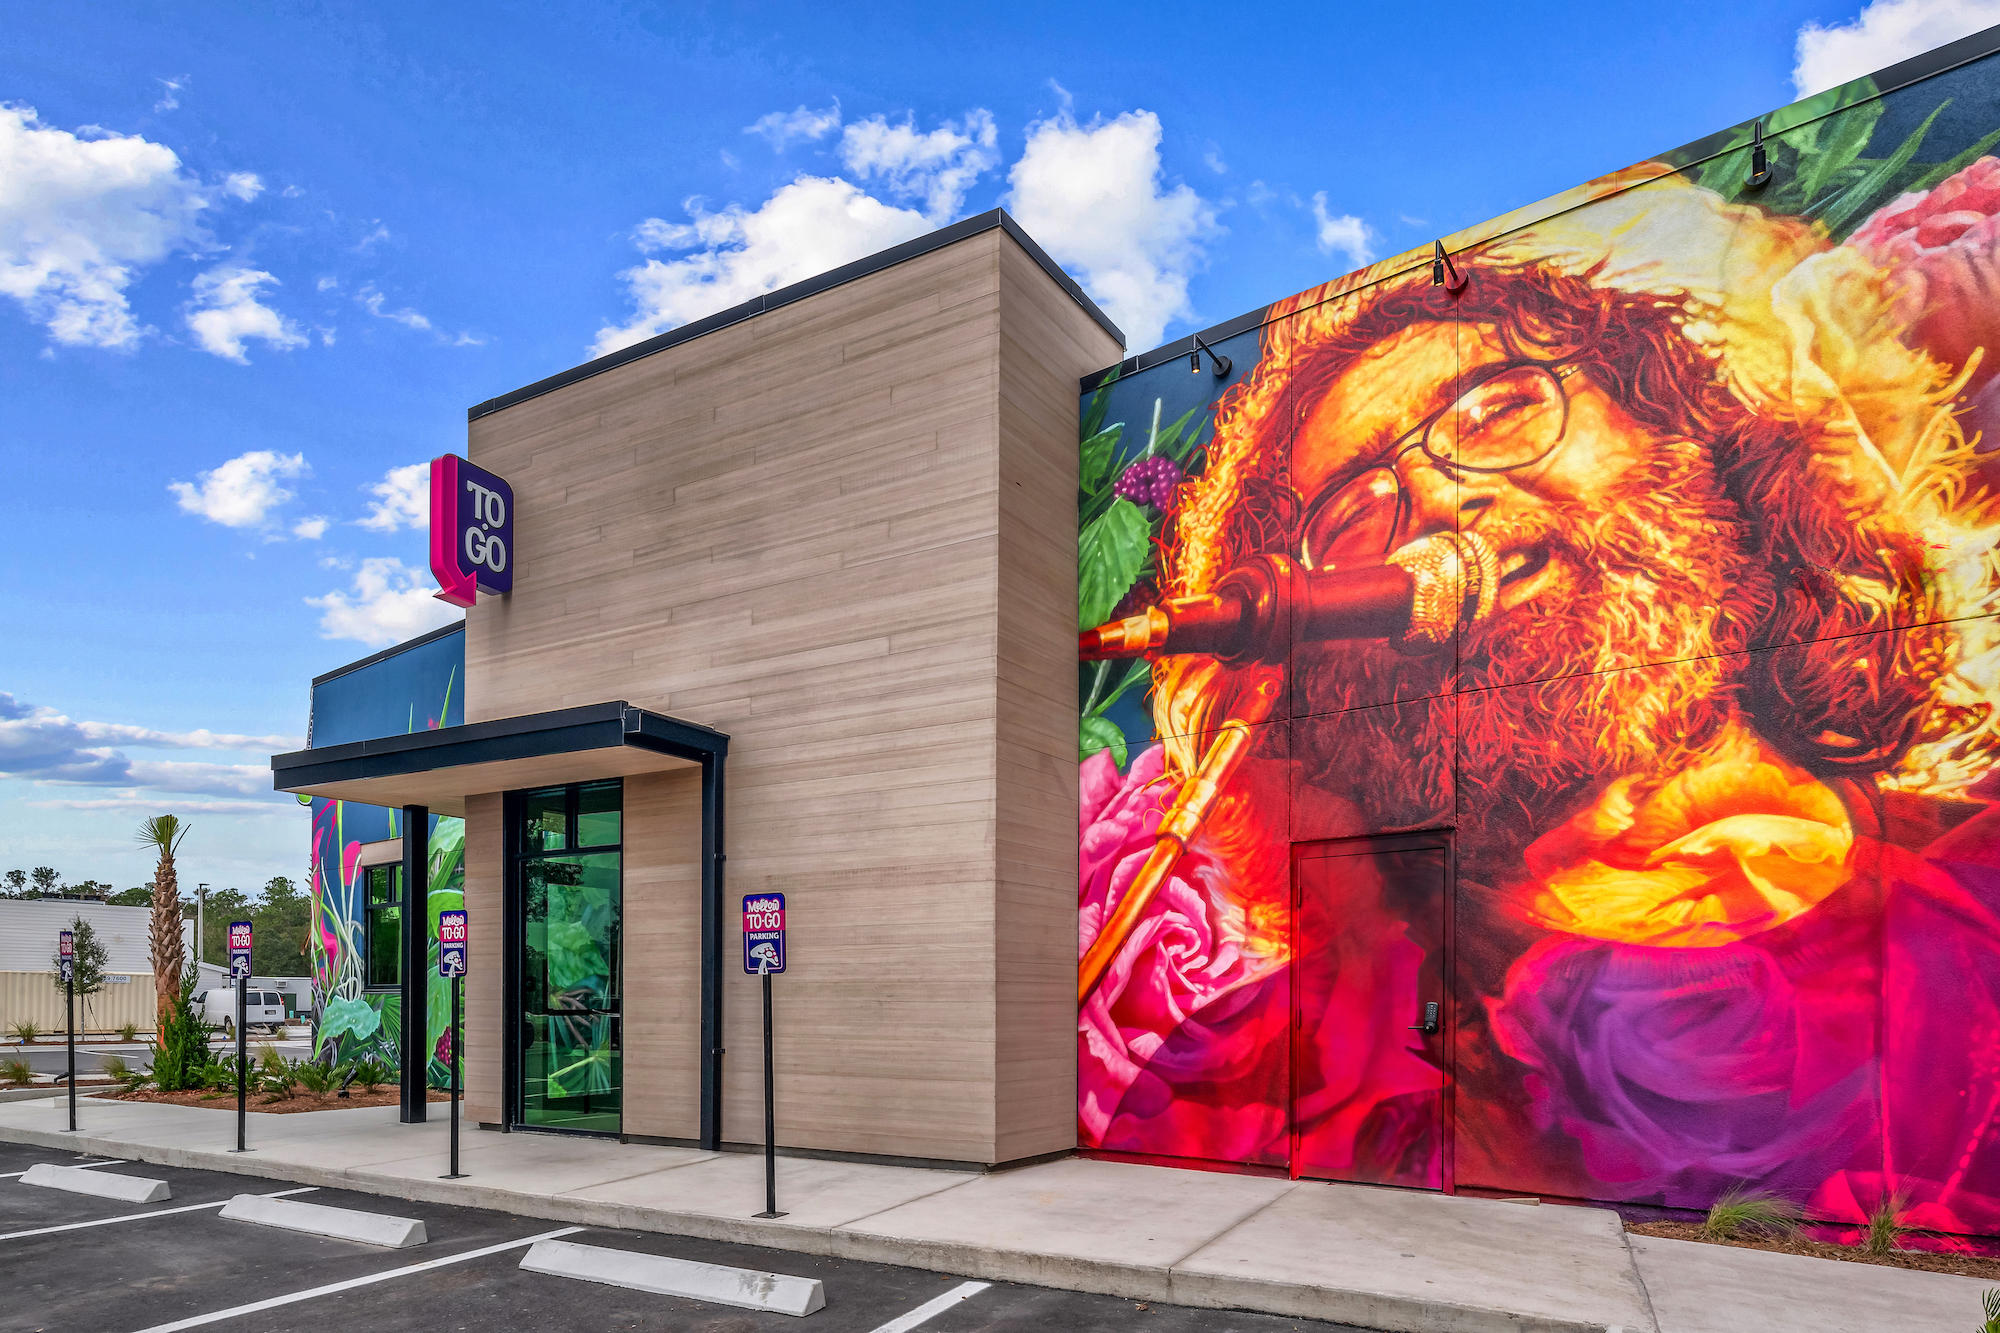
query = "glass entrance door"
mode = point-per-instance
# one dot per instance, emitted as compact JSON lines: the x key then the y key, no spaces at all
{"x":571,"y":897}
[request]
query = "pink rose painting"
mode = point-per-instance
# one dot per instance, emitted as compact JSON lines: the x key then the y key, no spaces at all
{"x":1942,"y":249}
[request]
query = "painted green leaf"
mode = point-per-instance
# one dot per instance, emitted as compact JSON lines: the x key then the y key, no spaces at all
{"x":343,"y":1017}
{"x":1100,"y":733}
{"x":1094,"y":458}
{"x":1943,"y":169}
{"x":1110,"y":552}
{"x":1873,"y":188}
{"x":1843,"y":137}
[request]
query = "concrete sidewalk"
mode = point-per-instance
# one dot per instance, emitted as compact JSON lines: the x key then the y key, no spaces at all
{"x":1386,"y":1259}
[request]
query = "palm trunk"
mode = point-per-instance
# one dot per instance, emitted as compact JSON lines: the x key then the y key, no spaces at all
{"x":169,"y":951}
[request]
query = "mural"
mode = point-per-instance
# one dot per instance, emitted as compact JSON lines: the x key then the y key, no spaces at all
{"x":1539,"y":725}
{"x":417,"y":688}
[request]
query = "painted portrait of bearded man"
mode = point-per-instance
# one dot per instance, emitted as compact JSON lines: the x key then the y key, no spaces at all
{"x":1712,"y":745}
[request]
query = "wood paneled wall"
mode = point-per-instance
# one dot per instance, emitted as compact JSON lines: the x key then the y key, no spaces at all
{"x":483,"y":1011}
{"x":843,"y":532}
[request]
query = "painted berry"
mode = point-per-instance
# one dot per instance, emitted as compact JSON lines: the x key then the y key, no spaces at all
{"x":1150,"y":481}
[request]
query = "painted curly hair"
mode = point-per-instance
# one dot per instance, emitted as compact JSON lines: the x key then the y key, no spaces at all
{"x":1836,"y":564}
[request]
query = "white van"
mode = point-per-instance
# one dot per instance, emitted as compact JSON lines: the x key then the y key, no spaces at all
{"x":265,"y":1008}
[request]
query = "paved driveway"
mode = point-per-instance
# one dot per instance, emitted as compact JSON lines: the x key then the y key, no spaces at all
{"x":71,"y":1262}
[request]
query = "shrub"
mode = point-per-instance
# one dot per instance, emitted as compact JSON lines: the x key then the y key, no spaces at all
{"x":316,"y":1078}
{"x":181,"y":1052}
{"x":277,"y":1077}
{"x":16,"y":1072}
{"x":1992,"y":1303}
{"x":371,"y":1073}
{"x":1742,"y":1214}
{"x":1885,"y":1225}
{"x":114,"y":1068}
{"x":25,"y":1031}
{"x":128,"y":1032}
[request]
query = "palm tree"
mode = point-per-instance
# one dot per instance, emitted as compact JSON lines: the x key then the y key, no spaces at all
{"x":163,"y":833}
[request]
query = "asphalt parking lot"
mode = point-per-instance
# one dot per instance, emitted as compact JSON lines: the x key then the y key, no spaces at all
{"x":70,"y":1262}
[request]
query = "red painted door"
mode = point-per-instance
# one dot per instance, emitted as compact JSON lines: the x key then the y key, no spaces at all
{"x":1370,"y":1016}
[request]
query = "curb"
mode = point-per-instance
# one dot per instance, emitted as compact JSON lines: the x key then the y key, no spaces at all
{"x":1390,"y":1312}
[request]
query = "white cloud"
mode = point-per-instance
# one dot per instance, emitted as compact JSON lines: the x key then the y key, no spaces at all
{"x":784,"y":128}
{"x":1093,"y":196}
{"x":226,"y":311}
{"x":243,"y":491}
{"x":132,"y":801}
{"x":387,"y":603}
{"x":1883,"y":33}
{"x":1343,"y":234}
{"x":402,"y":499}
{"x":374,"y":302}
{"x":807,"y":227}
{"x":1212,"y":159}
{"x":937,"y":167}
{"x":199,"y":739}
{"x":170,"y":95}
{"x":44,"y":746}
{"x":244,"y":185}
{"x":79,"y":217}
{"x":326,"y":283}
{"x":311,"y":529}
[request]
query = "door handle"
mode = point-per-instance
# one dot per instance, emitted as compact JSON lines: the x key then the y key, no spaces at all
{"x":1430,"y":1023}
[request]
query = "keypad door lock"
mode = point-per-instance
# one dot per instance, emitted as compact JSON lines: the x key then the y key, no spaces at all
{"x":1430,"y":1023}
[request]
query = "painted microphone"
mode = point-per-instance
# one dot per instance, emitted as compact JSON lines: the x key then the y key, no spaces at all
{"x":1419,"y":597}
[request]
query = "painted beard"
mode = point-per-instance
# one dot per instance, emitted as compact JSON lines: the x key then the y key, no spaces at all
{"x":1615,"y":668}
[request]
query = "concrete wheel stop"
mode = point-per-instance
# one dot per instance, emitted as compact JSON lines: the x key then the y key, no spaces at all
{"x":318,"y":1219}
{"x":718,"y":1284}
{"x":99,"y":1184}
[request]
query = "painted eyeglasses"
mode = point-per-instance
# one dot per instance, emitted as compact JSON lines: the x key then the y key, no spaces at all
{"x":1513,"y":418}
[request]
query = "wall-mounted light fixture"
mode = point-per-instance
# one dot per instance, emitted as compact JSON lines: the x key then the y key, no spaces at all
{"x":1444,"y":273}
{"x":1760,"y":160}
{"x":1222,"y":363}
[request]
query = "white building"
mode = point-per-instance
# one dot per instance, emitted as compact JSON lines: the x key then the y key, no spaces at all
{"x":28,"y":990}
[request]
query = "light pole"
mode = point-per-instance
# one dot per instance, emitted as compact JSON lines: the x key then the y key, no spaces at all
{"x":200,"y":909}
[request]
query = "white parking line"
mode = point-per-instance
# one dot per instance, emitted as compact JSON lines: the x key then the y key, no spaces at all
{"x":256,"y":1307}
{"x":135,"y":1217}
{"x":109,"y":1161}
{"x":932,"y":1308}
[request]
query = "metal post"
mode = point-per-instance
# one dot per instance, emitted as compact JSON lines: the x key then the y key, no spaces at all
{"x":714,"y":861}
{"x":69,"y":1022}
{"x":416,"y":962}
{"x":457,"y":1083}
{"x":200,"y":923}
{"x":242,"y":1057}
{"x":770,"y":1112}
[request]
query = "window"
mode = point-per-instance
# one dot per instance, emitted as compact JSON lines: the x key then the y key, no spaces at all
{"x":382,"y":926}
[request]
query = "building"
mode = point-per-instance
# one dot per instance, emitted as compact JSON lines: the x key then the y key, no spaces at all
{"x":1534,"y":725}
{"x":29,"y":992}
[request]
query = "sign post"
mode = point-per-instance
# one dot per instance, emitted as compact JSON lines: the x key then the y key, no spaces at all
{"x":239,"y":971}
{"x":764,"y":956}
{"x":66,"y":952}
{"x":451,"y":963}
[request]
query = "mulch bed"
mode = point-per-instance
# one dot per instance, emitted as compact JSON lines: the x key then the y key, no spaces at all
{"x":305,"y":1101}
{"x":1930,"y":1261}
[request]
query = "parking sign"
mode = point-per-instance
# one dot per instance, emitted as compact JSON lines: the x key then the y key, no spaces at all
{"x":239,"y":948}
{"x":451,"y":944}
{"x":763,"y":933}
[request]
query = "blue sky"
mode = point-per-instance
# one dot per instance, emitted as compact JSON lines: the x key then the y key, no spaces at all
{"x":257,"y":260}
